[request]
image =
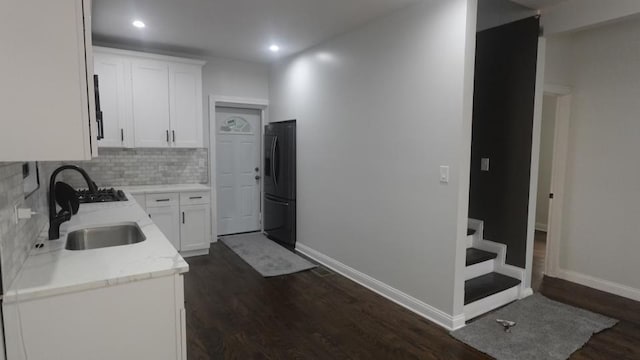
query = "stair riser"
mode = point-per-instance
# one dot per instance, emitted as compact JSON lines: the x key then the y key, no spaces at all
{"x":469,"y":241}
{"x":479,"y":269}
{"x":489,"y":303}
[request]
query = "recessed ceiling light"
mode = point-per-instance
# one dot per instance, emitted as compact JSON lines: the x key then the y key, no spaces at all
{"x":274,"y":48}
{"x":139,"y":24}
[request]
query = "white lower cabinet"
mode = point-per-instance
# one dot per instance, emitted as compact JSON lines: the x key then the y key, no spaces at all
{"x":167,"y":219}
{"x":195,"y":227}
{"x":137,"y":320}
{"x":184,"y":218}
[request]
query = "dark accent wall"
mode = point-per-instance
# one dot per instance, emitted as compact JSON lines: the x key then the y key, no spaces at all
{"x":503,"y":106}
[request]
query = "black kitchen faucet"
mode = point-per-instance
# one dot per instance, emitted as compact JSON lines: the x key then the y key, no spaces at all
{"x":57,"y":218}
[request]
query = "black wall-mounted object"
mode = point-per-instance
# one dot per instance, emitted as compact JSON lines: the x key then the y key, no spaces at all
{"x":99,"y":119}
{"x":503,"y":106}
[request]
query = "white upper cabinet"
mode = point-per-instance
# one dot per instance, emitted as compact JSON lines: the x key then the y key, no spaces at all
{"x":47,"y":109}
{"x":158,"y":100}
{"x":114,"y":74}
{"x":185,"y":82}
{"x":151,"y":103}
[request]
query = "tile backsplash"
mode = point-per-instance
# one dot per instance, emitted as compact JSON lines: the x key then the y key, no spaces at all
{"x":113,"y":167}
{"x":126,"y":167}
{"x":17,"y":239}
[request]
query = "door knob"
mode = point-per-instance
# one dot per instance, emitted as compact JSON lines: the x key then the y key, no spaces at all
{"x":257,"y":177}
{"x":257,"y":169}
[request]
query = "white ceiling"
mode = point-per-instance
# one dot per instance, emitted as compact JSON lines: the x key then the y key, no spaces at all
{"x":239,"y":29}
{"x":537,"y":4}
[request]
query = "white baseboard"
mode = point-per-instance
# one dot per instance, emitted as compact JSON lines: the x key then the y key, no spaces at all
{"x":600,"y":284}
{"x":542,"y":227}
{"x":526,"y":293}
{"x":407,"y":301}
{"x":191,"y":253}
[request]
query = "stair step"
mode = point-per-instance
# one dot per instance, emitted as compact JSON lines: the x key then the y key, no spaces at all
{"x":475,"y":256}
{"x":470,"y":231}
{"x":486,"y":285}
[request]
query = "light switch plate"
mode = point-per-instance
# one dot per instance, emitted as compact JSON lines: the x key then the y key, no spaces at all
{"x":484,"y":164}
{"x":444,"y":174}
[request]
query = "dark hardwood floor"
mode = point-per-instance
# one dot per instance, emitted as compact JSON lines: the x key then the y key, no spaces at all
{"x":539,"y":254}
{"x":234,"y":313}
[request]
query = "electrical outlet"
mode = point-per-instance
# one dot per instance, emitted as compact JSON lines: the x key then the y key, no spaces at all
{"x":484,"y":164}
{"x":21,"y":213}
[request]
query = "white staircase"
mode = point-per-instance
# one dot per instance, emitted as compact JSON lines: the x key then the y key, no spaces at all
{"x":489,"y":282}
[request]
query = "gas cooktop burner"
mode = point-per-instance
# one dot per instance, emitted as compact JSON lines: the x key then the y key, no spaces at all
{"x":103,"y":195}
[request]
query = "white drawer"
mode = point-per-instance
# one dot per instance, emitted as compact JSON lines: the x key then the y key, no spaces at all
{"x":195,"y":198}
{"x":162,"y":199}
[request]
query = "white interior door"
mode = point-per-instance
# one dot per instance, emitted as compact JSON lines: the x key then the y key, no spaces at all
{"x":238,"y":133}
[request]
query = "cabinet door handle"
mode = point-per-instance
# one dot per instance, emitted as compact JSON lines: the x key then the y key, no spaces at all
{"x":195,"y":197}
{"x":167,"y":135}
{"x":183,"y":217}
{"x":162,"y":200}
{"x":122,"y":135}
{"x":173,"y":132}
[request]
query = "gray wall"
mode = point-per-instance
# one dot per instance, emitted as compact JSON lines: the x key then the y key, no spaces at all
{"x":121,"y":167}
{"x":599,"y":242}
{"x":16,"y":240}
{"x":232,"y":78}
{"x":379,"y":110}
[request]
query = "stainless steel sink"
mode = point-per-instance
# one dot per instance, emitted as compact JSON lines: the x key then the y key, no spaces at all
{"x":104,"y":236}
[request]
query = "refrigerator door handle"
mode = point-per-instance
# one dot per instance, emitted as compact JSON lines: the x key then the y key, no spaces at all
{"x":277,"y":202}
{"x":275,"y":161}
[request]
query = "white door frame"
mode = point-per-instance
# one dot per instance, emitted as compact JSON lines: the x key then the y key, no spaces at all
{"x":239,"y":103}
{"x":535,"y":160}
{"x":558,"y":174}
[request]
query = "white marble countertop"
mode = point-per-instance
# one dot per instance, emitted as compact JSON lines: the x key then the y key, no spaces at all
{"x":165,"y":188}
{"x":53,"y":270}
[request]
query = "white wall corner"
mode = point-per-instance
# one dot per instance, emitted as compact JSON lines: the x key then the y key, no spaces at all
{"x":464,"y":157}
{"x":535,"y":160}
{"x":459,"y":321}
{"x":407,"y":301}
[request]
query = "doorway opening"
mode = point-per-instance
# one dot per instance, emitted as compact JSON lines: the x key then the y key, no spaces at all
{"x":236,"y":131}
{"x":554,"y":134}
{"x":549,"y":104}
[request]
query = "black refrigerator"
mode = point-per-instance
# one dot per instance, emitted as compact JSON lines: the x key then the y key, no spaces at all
{"x":279,"y":214}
